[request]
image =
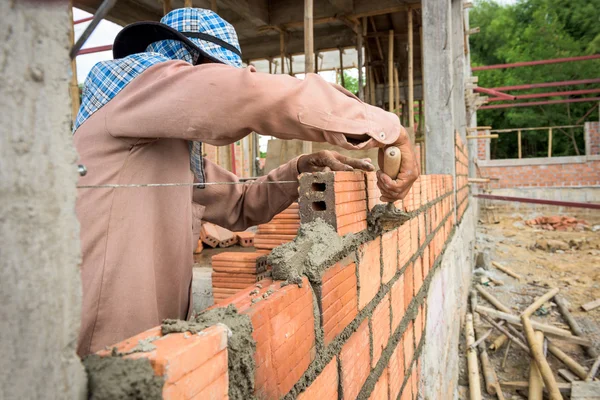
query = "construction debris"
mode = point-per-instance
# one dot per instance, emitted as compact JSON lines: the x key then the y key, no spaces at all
{"x":558,"y":223}
{"x":591,"y":305}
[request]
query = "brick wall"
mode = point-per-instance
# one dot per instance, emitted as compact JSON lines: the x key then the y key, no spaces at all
{"x":462,"y":174}
{"x":355,"y":332}
{"x":592,"y":138}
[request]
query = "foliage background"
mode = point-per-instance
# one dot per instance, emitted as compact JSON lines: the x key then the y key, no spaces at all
{"x":537,"y":30}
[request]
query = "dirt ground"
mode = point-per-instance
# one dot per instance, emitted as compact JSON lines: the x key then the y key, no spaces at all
{"x":574,"y":269}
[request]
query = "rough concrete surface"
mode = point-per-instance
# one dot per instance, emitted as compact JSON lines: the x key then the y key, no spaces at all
{"x":447,"y":294}
{"x":119,"y":378}
{"x":40,"y":289}
{"x":202,"y":289}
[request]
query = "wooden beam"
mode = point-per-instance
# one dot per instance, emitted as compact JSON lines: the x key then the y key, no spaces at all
{"x":167,"y":8}
{"x":254,"y":11}
{"x":309,"y":46}
{"x":345,"y":6}
{"x":359,"y":50}
{"x":188,"y":4}
{"x":411,"y":86}
{"x":390,"y":67}
{"x":124,"y":11}
{"x":282,"y":50}
{"x":213,"y":5}
{"x":342,"y":79}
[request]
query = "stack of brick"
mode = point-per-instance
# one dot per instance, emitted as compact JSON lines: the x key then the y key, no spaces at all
{"x":215,"y":235}
{"x":462,"y":176}
{"x":234,"y":271}
{"x":357,"y":331}
{"x":283,"y":228}
{"x":338,"y":198}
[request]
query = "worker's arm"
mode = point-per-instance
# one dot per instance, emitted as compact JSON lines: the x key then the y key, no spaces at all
{"x":238,"y":207}
{"x":219,"y":104}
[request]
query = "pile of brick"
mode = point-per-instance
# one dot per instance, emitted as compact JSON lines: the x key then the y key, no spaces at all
{"x":215,"y":235}
{"x":557,"y":223}
{"x":234,"y":271}
{"x":283,"y":228}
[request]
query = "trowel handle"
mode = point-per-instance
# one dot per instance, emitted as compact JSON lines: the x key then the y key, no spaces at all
{"x":391,"y":161}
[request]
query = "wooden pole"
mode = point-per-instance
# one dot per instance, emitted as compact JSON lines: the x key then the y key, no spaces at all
{"x":505,"y":331}
{"x":213,"y":5}
{"x":550,"y":142}
{"x":593,"y":370}
{"x":379,"y":47}
{"x":309,"y":56}
{"x":506,"y":270}
{"x":390,"y":70}
{"x":167,"y":6}
{"x":473,"y":366}
{"x":540,"y":301}
{"x":494,"y":301}
{"x":359,"y":49}
{"x":489,"y":374}
{"x":564,"y":310}
{"x":372,"y":87}
{"x":282,"y":50}
{"x":291,"y":65}
{"x":573,"y":365}
{"x":411,"y":89}
{"x":342,"y":79}
{"x":188,"y":4}
{"x":270,"y":65}
{"x":519,"y":138}
{"x":73,"y":85}
{"x":396,"y":92}
{"x":316,"y":62}
{"x":536,"y":385}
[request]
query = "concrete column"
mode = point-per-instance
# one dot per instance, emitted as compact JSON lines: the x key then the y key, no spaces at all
{"x":40,"y":288}
{"x":458,"y":66}
{"x":437,"y":54}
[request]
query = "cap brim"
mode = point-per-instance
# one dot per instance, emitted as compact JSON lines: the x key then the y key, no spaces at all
{"x":136,"y":37}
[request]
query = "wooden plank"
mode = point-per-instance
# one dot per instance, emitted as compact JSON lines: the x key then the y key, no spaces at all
{"x":516,"y":385}
{"x":567,"y":375}
{"x":591,"y":305}
{"x":411,"y":86}
{"x":550,"y":142}
{"x":390,"y":66}
{"x":254,"y":11}
{"x":585,"y":391}
{"x":519,"y":138}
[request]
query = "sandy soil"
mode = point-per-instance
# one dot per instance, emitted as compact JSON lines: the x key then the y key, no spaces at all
{"x":575,"y":271}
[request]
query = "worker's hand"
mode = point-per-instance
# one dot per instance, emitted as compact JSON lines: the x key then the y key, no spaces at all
{"x":332,"y":161}
{"x":396,"y":189}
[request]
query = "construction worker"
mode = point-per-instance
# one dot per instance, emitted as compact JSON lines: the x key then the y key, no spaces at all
{"x":172,"y":86}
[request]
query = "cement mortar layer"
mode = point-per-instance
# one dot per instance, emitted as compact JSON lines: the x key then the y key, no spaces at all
{"x":112,"y":378}
{"x":240,"y":345}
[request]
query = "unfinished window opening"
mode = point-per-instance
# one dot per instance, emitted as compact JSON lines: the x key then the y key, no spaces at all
{"x":319,"y":206}
{"x":318,"y":187}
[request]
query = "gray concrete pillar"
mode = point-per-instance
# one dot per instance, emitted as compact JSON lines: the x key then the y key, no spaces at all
{"x":439,"y":78}
{"x":40,"y":289}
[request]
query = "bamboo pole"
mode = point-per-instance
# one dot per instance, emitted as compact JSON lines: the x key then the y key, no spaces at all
{"x":396,"y":92}
{"x":536,"y":386}
{"x":548,"y":329}
{"x":372,"y":87}
{"x":550,"y":142}
{"x":498,"y":343}
{"x":500,"y":328}
{"x":492,"y":300}
{"x":342,"y":80}
{"x":505,"y":355}
{"x":516,"y":385}
{"x":411,"y":88}
{"x":542,"y":363}
{"x":73,"y":85}
{"x":489,"y":375}
{"x":471,"y":137}
{"x":506,"y":270}
{"x":188,"y":4}
{"x":391,"y":70}
{"x":213,"y":5}
{"x":573,"y":365}
{"x":474,"y":382}
{"x":593,"y":370}
{"x":519,"y":138}
{"x":575,"y":328}
{"x":540,"y":301}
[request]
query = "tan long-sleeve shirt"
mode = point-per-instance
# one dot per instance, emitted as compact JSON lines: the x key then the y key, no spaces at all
{"x":137,"y":243}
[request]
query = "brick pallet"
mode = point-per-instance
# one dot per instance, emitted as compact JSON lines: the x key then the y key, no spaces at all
{"x":234,"y":271}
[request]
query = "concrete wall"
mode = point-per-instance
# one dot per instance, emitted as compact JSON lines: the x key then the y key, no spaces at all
{"x":446,"y":305}
{"x":39,"y":275}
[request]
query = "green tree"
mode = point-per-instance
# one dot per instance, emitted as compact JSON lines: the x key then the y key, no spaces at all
{"x":350,"y":82}
{"x":536,"y":30}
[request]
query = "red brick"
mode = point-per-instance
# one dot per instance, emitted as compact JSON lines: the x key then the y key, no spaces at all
{"x":350,"y":186}
{"x":339,"y":302}
{"x":418,"y":326}
{"x":422,"y":232}
{"x":201,"y":380}
{"x":325,"y":386}
{"x":355,"y":361}
{"x":369,"y":271}
{"x":417,"y":275}
{"x":353,"y":228}
{"x":389,"y":255}
{"x":381,"y":389}
{"x":397,"y":302}
{"x":380,"y":325}
{"x":405,"y":250}
{"x":408,"y":342}
{"x":349,"y":208}
{"x":408,"y":285}
{"x":344,"y":197}
{"x":345,"y":176}
{"x":396,"y":370}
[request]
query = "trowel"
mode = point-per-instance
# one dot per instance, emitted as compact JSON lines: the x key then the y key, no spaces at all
{"x":387,"y":216}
